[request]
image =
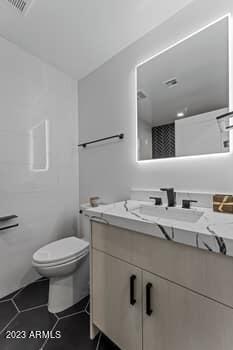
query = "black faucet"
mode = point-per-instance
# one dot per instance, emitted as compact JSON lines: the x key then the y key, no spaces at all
{"x":171,"y":196}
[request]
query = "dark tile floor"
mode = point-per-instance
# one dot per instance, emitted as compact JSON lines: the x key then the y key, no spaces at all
{"x":25,"y":322}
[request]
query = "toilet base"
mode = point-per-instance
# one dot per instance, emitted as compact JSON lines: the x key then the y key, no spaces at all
{"x":66,"y":291}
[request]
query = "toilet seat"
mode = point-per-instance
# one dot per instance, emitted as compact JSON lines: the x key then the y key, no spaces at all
{"x":62,"y":251}
{"x":59,"y":263}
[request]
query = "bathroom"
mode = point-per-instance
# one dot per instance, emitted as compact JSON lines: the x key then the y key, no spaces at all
{"x":115,"y":222}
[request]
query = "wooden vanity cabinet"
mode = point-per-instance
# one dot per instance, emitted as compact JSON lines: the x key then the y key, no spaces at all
{"x":113,"y":311}
{"x":183,"y":320}
{"x":141,"y":310}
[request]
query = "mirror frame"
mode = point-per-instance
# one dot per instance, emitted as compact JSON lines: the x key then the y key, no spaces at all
{"x":228,"y":16}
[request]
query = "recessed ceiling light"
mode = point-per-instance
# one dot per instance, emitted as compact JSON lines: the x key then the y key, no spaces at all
{"x":180,"y":115}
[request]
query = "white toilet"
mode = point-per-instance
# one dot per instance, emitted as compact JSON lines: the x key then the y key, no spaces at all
{"x":65,"y":263}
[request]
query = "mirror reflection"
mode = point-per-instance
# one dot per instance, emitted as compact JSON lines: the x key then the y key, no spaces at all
{"x":181,"y":93}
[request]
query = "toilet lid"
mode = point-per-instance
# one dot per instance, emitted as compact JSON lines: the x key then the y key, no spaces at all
{"x":61,"y":250}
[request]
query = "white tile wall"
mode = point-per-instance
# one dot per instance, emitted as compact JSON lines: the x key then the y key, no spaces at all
{"x":46,"y":202}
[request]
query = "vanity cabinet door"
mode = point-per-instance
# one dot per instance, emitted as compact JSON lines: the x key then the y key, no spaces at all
{"x":179,"y":319}
{"x":117,"y":300}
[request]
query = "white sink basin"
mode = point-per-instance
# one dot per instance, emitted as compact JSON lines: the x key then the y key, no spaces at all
{"x":171,"y":213}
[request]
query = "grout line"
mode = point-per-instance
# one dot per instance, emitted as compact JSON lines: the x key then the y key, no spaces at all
{"x":19,"y":291}
{"x":34,"y":307}
{"x":3,"y":301}
{"x":4,"y":328}
{"x":98,"y":343}
{"x":75,"y":313}
{"x":57,"y":317}
{"x":87,"y":307}
{"x":85,"y":310}
{"x":54,"y":326}
{"x":8,"y":299}
{"x":13,"y":302}
{"x":83,"y":299}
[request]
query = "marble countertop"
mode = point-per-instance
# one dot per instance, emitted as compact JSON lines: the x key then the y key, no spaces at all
{"x":212,"y":232}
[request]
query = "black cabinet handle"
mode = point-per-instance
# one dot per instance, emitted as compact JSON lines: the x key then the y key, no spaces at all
{"x":132,"y":297}
{"x":148,"y":299}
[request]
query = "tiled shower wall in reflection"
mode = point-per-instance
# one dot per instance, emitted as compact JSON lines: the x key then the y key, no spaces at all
{"x":163,"y":141}
{"x":33,"y":93}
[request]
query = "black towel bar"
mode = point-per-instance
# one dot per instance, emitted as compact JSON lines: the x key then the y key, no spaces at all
{"x":8,"y":227}
{"x":119,"y":136}
{"x":8,"y":217}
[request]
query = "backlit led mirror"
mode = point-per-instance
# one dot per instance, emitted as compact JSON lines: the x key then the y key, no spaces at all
{"x":181,"y":95}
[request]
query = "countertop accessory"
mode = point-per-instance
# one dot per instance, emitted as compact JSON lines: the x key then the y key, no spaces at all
{"x":94,"y":201}
{"x":223,"y":203}
{"x":119,"y":136}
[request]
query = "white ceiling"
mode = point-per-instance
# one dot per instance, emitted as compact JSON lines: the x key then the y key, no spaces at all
{"x":77,"y":36}
{"x":200,"y":65}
